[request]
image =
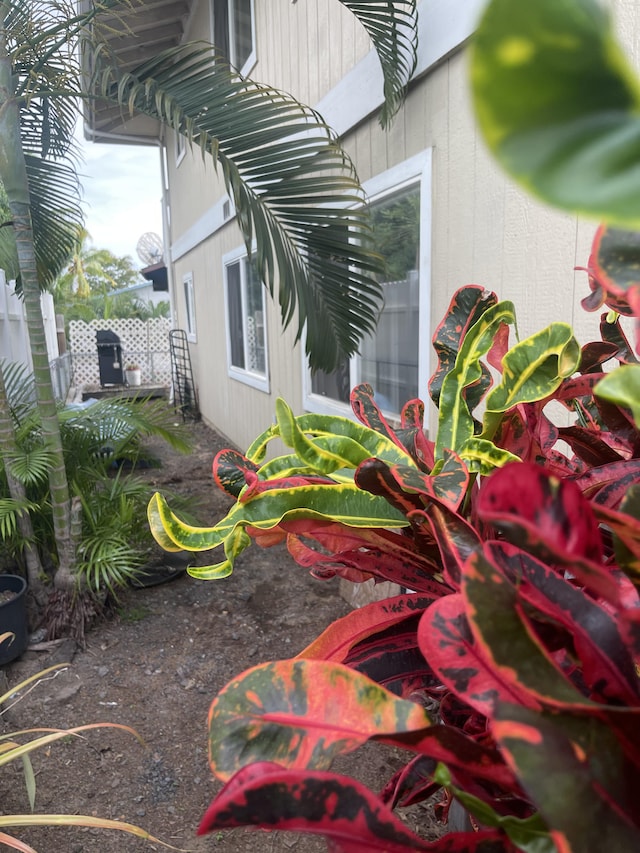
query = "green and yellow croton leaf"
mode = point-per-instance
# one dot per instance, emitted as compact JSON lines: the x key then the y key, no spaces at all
{"x":265,"y":509}
{"x":532,"y":370}
{"x":455,"y":421}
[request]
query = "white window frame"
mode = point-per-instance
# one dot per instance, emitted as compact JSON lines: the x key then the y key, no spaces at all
{"x":249,"y":377}
{"x":415,"y":170}
{"x":252,"y":58}
{"x":189,"y":306}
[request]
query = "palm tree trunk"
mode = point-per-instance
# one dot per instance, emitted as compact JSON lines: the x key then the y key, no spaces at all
{"x":13,"y":175}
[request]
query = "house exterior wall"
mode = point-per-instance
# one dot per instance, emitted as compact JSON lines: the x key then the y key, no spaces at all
{"x":477,"y":226}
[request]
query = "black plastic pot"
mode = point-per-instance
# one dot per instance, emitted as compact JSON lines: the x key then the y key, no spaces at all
{"x":13,"y":618}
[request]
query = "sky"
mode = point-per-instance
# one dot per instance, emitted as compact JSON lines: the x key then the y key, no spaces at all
{"x":121,"y":190}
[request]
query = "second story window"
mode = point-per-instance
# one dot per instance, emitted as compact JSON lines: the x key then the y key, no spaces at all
{"x":234,"y":31}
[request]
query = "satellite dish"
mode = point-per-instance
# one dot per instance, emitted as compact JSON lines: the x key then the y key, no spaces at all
{"x":149,"y":248}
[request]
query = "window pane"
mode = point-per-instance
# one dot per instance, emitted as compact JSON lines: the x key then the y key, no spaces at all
{"x":221,"y":26}
{"x":190,"y":308}
{"x":334,"y":385}
{"x":234,"y":303}
{"x":255,"y":321}
{"x":242,"y":32}
{"x":389,"y":358}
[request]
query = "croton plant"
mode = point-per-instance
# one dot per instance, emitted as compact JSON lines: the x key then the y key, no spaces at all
{"x":507,"y":668}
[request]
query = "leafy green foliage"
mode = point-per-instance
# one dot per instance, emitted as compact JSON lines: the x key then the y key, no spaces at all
{"x":99,"y":441}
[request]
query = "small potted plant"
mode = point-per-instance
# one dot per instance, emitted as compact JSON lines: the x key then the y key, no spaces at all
{"x":133,"y":374}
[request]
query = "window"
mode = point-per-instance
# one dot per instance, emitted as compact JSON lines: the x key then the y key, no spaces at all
{"x":394,"y":360}
{"x":234,"y":32}
{"x":245,"y":315}
{"x":189,"y":306}
{"x":181,"y":147}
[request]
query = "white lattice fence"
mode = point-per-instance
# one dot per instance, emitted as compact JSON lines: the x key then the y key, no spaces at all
{"x":145,"y":343}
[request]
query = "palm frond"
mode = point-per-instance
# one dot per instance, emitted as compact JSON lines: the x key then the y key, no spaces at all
{"x":120,"y":425}
{"x":20,"y":388}
{"x":393,"y":30}
{"x":31,"y":466}
{"x":10,"y":512}
{"x":294,"y":189}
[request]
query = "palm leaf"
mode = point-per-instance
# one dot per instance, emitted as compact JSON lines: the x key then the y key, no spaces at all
{"x":294,"y":189}
{"x":19,"y":386}
{"x":10,"y":512}
{"x":393,"y":30}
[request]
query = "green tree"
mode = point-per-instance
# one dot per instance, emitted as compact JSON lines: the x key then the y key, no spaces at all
{"x":298,"y":196}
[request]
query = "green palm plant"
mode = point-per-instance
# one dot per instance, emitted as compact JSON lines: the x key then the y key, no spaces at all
{"x":113,"y":541}
{"x":294,"y":189}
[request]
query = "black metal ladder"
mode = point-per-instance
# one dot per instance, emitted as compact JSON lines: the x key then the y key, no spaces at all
{"x":185,"y":395}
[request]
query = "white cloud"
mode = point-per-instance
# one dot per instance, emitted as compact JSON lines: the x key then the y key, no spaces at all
{"x":122,"y":190}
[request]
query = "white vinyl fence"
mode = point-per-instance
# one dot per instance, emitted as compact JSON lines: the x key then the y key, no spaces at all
{"x":14,"y":337}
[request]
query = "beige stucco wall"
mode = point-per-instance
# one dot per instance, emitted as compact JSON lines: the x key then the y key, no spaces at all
{"x":484,"y":230}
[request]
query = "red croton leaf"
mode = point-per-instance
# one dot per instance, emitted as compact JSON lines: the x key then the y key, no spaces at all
{"x":607,"y":666}
{"x":230,"y":468}
{"x":368,"y":412}
{"x":608,"y":484}
{"x":589,"y":445}
{"x":550,"y":518}
{"x":613,"y":271}
{"x":302,"y":713}
{"x":379,"y":640}
{"x":595,"y":354}
{"x":412,"y":784}
{"x":376,"y":477}
{"x":523,"y":499}
{"x":456,"y":538}
{"x":383,"y":554}
{"x":412,"y":435}
{"x":342,"y":810}
{"x":566,"y":780}
{"x":336,"y":642}
{"x":504,"y":636}
{"x":407,"y":488}
{"x":446,"y":641}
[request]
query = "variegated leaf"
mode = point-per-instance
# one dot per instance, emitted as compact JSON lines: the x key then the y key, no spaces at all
{"x":532,"y":370}
{"x":482,"y":456}
{"x":467,"y":305}
{"x":446,"y":641}
{"x":302,"y":714}
{"x":564,"y":780}
{"x":455,"y":421}
{"x":229,"y":470}
{"x":336,"y":807}
{"x":606,"y":664}
{"x":336,"y":641}
{"x":504,"y":637}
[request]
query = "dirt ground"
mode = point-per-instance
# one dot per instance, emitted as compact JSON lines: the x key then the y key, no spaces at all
{"x":155,"y":666}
